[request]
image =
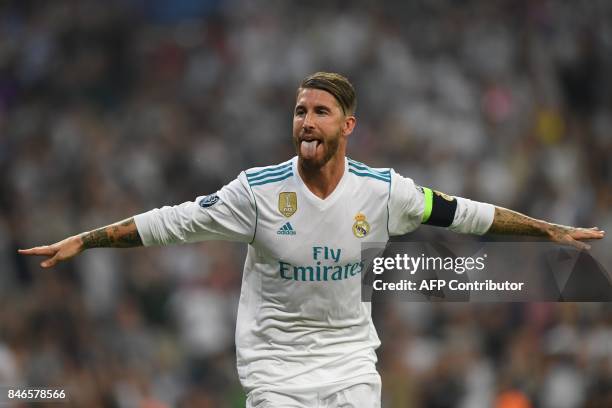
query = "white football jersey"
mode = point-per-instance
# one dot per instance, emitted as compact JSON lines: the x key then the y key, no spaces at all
{"x":301,"y":322}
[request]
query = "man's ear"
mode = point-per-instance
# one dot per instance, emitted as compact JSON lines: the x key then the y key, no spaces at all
{"x":349,"y":124}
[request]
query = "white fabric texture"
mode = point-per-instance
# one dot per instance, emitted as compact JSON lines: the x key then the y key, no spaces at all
{"x":300,"y":316}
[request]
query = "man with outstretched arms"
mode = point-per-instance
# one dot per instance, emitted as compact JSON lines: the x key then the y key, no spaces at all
{"x":303,"y":336}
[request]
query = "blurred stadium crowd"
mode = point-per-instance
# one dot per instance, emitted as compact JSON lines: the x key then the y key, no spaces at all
{"x":108,"y":109}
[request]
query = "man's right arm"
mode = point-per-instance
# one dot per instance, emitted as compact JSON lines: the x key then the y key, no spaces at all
{"x":227,"y":215}
{"x":122,"y":234}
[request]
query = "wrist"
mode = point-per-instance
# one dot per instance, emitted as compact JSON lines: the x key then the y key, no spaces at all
{"x":79,"y":241}
{"x":546,"y":228}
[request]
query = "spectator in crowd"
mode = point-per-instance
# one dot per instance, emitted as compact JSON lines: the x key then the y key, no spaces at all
{"x":108,"y":96}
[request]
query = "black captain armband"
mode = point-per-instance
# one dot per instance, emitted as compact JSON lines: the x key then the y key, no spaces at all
{"x":439,"y":208}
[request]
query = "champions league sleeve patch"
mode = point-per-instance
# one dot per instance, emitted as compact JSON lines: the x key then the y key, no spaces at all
{"x":208,"y":201}
{"x":439,"y":208}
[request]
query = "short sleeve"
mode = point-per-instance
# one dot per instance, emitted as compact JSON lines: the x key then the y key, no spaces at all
{"x":406,"y":205}
{"x":229,"y":214}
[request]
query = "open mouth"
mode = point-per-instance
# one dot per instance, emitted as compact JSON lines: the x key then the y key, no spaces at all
{"x":313,"y":142}
{"x":308,"y":147}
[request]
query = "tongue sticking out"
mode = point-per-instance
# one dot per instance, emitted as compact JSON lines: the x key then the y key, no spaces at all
{"x":308,"y":149}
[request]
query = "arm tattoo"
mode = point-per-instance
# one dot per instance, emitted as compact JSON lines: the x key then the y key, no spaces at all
{"x":514,"y":223}
{"x":123,"y":234}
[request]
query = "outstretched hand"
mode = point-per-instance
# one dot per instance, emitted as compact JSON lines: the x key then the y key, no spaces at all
{"x":574,"y":236}
{"x":510,"y":222}
{"x":60,"y":251}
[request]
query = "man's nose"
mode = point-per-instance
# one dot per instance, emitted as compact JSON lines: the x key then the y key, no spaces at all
{"x":308,"y":121}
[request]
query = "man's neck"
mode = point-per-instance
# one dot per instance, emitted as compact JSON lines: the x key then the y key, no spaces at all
{"x":322,"y":181}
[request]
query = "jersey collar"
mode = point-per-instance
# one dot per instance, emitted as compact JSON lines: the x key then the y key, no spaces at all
{"x":310,"y":196}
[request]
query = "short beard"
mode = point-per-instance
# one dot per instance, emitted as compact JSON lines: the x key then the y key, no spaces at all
{"x":314,"y":164}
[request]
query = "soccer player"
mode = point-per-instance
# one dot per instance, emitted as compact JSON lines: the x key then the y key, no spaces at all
{"x":303,"y":336}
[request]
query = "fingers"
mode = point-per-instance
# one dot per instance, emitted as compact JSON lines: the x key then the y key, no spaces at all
{"x":47,"y":250}
{"x":583,"y":246}
{"x":41,"y":250}
{"x":50,"y":262}
{"x":590,"y":233}
{"x":594,"y":230}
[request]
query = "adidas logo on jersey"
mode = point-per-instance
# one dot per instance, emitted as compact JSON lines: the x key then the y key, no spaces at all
{"x":286,"y":229}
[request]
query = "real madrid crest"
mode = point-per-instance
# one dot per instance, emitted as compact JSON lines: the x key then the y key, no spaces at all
{"x":361,"y":228}
{"x":287,"y":203}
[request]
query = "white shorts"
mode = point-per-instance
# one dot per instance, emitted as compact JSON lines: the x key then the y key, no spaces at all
{"x":358,"y":394}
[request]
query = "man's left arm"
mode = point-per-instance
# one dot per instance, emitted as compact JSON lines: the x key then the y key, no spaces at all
{"x":510,"y":222}
{"x":467,"y":216}
{"x":411,"y":205}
